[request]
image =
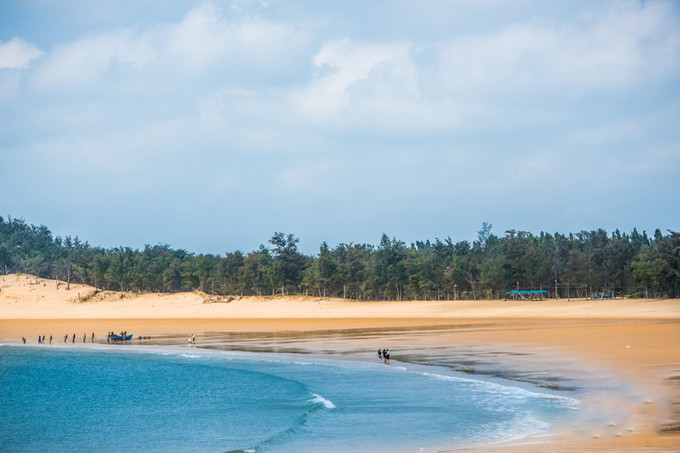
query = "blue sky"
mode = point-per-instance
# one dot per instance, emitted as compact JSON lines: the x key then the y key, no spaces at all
{"x":211,"y":125}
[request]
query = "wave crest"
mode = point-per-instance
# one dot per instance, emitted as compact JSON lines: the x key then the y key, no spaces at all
{"x":320,"y":399}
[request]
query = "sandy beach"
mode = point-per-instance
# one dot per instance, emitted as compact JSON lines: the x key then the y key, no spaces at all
{"x":632,"y":345}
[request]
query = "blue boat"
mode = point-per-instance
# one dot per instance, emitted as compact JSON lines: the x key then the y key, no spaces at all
{"x":115,"y":337}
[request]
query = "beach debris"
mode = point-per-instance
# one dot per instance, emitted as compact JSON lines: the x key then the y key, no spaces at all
{"x":217,"y":299}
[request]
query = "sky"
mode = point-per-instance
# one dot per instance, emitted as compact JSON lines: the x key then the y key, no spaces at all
{"x":209,"y":126}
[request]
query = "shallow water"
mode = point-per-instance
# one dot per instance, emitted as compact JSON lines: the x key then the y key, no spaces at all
{"x":156,"y":398}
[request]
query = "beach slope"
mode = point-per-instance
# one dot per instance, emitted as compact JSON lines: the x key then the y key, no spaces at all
{"x":637,"y":341}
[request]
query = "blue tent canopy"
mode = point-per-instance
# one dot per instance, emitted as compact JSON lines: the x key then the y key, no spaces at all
{"x":536,"y":291}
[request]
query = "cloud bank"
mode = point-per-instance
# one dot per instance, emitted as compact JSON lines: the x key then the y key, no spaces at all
{"x":265,"y":117}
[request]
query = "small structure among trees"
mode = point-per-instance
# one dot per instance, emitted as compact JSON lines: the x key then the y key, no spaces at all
{"x":524,"y":294}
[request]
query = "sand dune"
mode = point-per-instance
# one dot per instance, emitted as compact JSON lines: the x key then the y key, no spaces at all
{"x":28,"y":297}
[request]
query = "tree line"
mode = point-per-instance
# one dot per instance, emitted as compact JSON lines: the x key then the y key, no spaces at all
{"x":584,"y":264}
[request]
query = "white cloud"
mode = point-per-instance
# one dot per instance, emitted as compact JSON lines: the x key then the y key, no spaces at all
{"x":471,"y":81}
{"x":85,"y":59}
{"x":632,"y":42}
{"x":344,"y":65}
{"x":18,"y":54}
{"x":492,"y":61}
{"x":205,"y":37}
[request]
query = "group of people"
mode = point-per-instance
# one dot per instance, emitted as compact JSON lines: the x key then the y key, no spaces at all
{"x":116,"y":337}
{"x":384,"y":356}
{"x":42,"y":339}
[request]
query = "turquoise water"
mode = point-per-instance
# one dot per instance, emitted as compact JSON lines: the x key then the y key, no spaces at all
{"x":145,"y":399}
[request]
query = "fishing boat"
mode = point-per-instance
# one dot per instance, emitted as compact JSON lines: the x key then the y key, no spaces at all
{"x":115,"y":337}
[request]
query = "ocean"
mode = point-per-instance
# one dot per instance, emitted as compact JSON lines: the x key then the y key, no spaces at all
{"x":146,"y":399}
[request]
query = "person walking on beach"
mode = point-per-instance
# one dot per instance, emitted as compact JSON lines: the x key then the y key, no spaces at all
{"x":74,"y":338}
{"x":50,"y":339}
{"x":386,"y":356}
{"x":84,"y":337}
{"x":39,"y":339}
{"x":65,"y":338}
{"x":92,"y":337}
{"x":23,"y":340}
{"x":380,"y":359}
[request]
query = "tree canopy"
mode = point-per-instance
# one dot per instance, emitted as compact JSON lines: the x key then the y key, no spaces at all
{"x":575,"y":264}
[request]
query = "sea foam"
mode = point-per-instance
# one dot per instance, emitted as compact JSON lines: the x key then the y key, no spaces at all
{"x":320,"y":399}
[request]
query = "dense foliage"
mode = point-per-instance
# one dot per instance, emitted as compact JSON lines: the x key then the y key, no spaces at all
{"x":587,"y":263}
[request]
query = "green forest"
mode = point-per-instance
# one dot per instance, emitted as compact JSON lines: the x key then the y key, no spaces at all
{"x":584,"y":264}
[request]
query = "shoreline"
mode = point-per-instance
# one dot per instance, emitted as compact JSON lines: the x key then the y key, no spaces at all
{"x":438,"y":370}
{"x":639,"y":382}
{"x":634,"y":344}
